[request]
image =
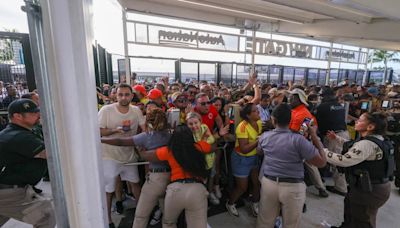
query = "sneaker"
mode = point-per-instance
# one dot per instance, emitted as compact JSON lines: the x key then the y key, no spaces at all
{"x":37,"y":190}
{"x":322,"y":193}
{"x":119,"y":207}
{"x":278,"y":222}
{"x":218,"y":192}
{"x":334,"y":190}
{"x":254,"y":209}
{"x":213,"y":199}
{"x":208,"y":225}
{"x":232,"y":209}
{"x":304,"y":208}
{"x":156,"y":217}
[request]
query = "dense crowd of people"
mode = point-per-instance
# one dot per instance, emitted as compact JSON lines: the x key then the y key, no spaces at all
{"x":208,"y":143}
{"x":280,"y":137}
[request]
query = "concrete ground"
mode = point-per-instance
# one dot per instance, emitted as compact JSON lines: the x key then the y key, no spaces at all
{"x":318,"y":209}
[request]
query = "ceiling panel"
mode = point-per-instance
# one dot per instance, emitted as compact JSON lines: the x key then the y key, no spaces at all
{"x":366,"y":23}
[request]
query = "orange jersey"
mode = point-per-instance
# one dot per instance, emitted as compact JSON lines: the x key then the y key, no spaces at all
{"x":165,"y":154}
{"x":298,"y":115}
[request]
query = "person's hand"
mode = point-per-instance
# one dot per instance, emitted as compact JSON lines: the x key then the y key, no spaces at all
{"x":312,"y":130}
{"x":205,"y":136}
{"x":223,"y":131}
{"x":189,"y":108}
{"x":331,"y":135}
{"x":247,"y":98}
{"x":165,"y":79}
{"x":290,"y":83}
{"x":141,"y":151}
{"x":118,"y":130}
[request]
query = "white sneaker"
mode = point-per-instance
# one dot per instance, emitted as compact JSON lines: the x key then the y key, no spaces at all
{"x":213,"y":199}
{"x":254,"y":209}
{"x":218,"y":192}
{"x":208,"y":225}
{"x":156,"y":217}
{"x":232,"y":209}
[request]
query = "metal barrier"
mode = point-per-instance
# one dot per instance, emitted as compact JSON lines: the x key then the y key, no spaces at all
{"x":16,"y":60}
{"x":3,"y":119}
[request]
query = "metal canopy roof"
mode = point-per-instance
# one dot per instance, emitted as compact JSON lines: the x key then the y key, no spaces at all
{"x":364,"y":23}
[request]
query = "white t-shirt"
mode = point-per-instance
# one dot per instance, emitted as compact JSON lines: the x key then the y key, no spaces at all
{"x":110,"y":117}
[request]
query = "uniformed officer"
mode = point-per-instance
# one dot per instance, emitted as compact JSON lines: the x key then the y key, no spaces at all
{"x":22,"y":165}
{"x":368,"y":170}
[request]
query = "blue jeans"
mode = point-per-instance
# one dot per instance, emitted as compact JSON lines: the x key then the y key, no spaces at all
{"x":242,"y":165}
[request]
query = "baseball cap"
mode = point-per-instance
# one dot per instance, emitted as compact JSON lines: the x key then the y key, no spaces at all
{"x":154,"y":94}
{"x":302,"y":95}
{"x":348,"y":97}
{"x":140,"y":89}
{"x":175,"y":95}
{"x":373,"y":90}
{"x":22,"y":106}
{"x":327,"y":91}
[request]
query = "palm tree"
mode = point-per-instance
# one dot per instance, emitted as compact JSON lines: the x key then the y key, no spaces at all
{"x":385,"y":57}
{"x":6,"y":48}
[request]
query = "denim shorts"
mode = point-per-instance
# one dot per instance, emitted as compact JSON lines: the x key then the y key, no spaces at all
{"x":242,"y":165}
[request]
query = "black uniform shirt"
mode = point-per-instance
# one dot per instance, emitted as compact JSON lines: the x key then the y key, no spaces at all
{"x":330,"y":116}
{"x":18,"y":146}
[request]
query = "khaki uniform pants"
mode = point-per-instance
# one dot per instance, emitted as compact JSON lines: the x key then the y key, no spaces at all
{"x":315,"y":176}
{"x":276,"y":196}
{"x":191,"y":197}
{"x":24,"y":205}
{"x":153,"y":190}
{"x":332,"y":145}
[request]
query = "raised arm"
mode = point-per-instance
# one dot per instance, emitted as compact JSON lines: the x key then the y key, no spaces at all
{"x":320,"y":159}
{"x":109,"y":131}
{"x":123,"y":141}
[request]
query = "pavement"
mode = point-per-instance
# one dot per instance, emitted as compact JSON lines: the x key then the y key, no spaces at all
{"x":328,"y":210}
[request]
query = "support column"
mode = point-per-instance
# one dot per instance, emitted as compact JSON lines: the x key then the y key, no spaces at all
{"x":63,"y":55}
{"x":365,"y":78}
{"x":253,"y":50}
{"x":126,"y":51}
{"x":328,"y":73}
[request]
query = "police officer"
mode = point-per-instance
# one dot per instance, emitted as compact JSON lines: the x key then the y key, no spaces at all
{"x":22,"y":165}
{"x":331,"y":116}
{"x":368,"y":168}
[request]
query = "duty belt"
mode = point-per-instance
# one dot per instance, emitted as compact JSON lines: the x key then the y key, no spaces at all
{"x":284,"y":179}
{"x":160,"y":170}
{"x":189,"y":181}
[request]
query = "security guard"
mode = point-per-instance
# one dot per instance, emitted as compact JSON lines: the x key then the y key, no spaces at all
{"x":369,"y":164}
{"x":22,"y":165}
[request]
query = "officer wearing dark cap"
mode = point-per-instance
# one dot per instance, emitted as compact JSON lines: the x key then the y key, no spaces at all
{"x":22,"y":165}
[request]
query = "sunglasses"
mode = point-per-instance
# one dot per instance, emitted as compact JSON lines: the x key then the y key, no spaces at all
{"x":205,"y":103}
{"x":181,"y":100}
{"x":123,"y":94}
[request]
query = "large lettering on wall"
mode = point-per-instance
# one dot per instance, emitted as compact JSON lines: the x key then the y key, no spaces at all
{"x":188,"y":38}
{"x":280,"y":48}
{"x":197,"y":39}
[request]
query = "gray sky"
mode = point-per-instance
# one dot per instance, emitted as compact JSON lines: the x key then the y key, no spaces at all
{"x":12,"y":17}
